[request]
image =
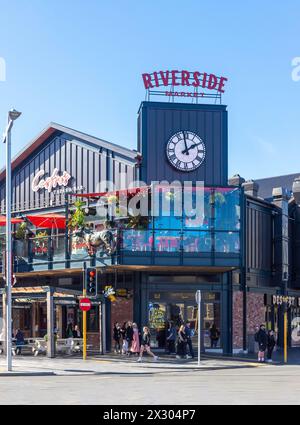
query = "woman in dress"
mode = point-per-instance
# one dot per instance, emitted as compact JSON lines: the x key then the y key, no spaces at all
{"x":135,"y":345}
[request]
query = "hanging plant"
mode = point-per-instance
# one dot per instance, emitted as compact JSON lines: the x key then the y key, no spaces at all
{"x":78,"y":216}
{"x":21,"y":231}
{"x":138,"y":222}
{"x":217,"y":198}
{"x":42,"y":234}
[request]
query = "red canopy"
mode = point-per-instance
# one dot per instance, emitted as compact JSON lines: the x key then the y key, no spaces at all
{"x":48,"y":221}
{"x":13,"y":220}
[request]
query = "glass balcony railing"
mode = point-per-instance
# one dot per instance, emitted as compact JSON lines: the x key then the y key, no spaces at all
{"x":215,"y":232}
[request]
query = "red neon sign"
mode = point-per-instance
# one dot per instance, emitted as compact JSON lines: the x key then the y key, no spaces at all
{"x":176,"y":78}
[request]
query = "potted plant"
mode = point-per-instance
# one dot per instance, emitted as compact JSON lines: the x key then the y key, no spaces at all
{"x":41,"y":243}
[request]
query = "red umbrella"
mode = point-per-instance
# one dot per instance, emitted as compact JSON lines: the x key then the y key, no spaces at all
{"x":13,"y":220}
{"x":48,"y":221}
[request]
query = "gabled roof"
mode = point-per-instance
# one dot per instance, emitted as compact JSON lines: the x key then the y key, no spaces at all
{"x":54,"y":127}
{"x":267,"y":185}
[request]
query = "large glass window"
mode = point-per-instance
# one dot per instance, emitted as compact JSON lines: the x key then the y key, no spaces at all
{"x":167,"y":241}
{"x":137,"y":240}
{"x":227,"y":242}
{"x":227,"y":209}
{"x":201,"y":220}
{"x":197,"y":241}
{"x":178,"y":308}
{"x":215,"y":228}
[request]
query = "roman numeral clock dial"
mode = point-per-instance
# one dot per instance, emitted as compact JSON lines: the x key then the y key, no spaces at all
{"x":186,"y":151}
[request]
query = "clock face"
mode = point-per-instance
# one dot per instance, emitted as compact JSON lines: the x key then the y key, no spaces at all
{"x":186,"y":151}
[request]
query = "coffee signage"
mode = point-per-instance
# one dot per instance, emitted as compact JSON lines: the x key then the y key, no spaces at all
{"x":174,"y":78}
{"x":50,"y":182}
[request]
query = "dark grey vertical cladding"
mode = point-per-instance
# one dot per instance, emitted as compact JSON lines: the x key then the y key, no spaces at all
{"x":259,"y":237}
{"x":296,"y":247}
{"x":88,"y":165}
{"x":159,"y":121}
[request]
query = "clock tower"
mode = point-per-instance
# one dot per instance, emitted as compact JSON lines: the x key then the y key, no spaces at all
{"x":185,"y":142}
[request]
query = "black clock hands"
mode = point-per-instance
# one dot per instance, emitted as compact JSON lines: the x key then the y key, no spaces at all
{"x":186,"y":151}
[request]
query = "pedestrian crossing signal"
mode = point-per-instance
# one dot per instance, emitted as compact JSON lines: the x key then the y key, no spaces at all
{"x":91,"y":281}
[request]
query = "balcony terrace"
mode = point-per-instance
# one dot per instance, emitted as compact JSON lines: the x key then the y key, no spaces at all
{"x":213,"y":240}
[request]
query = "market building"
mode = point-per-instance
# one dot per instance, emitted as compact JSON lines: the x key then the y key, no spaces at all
{"x":242,"y":253}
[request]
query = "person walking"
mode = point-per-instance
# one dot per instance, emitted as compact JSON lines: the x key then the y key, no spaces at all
{"x":124,"y":341}
{"x":171,"y":338}
{"x":271,"y":343}
{"x":76,"y":332}
{"x":145,"y":344}
{"x":214,"y":336}
{"x":129,"y":336}
{"x":19,"y":342}
{"x":117,"y":337}
{"x":188,"y":332}
{"x":70,"y":337}
{"x":135,"y":345}
{"x":262,"y":339}
{"x":181,"y":343}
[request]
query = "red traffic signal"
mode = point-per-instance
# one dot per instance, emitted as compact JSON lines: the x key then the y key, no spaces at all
{"x":91,"y":282}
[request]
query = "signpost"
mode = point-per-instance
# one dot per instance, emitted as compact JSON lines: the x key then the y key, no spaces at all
{"x":85,"y":306}
{"x":198,"y":300}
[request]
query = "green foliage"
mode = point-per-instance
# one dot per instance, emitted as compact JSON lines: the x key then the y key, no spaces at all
{"x":138,"y":222}
{"x":78,"y":216}
{"x":21,"y":231}
{"x":42,"y":234}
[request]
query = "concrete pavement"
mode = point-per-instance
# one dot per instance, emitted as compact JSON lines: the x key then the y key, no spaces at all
{"x":119,"y":382}
{"x":67,"y":366}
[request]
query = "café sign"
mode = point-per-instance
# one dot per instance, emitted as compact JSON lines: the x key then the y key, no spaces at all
{"x":50,"y":182}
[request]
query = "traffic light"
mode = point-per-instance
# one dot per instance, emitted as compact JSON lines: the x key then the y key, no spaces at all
{"x":91,"y":281}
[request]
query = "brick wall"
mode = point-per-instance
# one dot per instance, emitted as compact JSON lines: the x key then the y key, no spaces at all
{"x":237,"y":320}
{"x":121,"y":311}
{"x":255,"y":316}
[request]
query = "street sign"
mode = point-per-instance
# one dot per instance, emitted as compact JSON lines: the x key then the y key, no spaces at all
{"x":85,"y":304}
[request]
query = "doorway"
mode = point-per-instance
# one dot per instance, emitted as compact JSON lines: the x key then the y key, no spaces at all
{"x":179,"y":308}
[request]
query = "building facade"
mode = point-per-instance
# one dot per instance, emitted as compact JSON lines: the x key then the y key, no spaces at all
{"x":242,"y":254}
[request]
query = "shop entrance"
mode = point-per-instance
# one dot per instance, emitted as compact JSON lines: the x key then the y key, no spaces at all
{"x":180,"y":308}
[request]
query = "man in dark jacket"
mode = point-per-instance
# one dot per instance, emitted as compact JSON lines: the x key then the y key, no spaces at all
{"x":129,"y":336}
{"x":188,"y":332}
{"x":171,"y":338}
{"x":261,"y":338}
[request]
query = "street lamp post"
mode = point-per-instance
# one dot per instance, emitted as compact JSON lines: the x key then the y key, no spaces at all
{"x":12,"y":116}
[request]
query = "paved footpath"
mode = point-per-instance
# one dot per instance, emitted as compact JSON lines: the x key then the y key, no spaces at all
{"x":113,"y":381}
{"x":28,"y":365}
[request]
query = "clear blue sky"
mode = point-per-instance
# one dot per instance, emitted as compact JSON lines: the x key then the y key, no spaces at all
{"x":79,"y":63}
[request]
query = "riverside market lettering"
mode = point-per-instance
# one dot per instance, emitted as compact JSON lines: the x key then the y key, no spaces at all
{"x":184,"y":79}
